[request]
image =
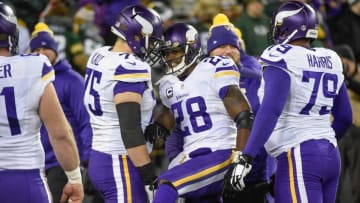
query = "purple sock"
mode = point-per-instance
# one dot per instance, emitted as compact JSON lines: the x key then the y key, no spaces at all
{"x":165,"y":193}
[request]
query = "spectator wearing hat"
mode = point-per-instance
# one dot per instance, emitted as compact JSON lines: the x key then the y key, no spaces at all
{"x":69,"y":86}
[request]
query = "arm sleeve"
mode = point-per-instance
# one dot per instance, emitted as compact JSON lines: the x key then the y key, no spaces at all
{"x":277,"y":87}
{"x":174,"y":143}
{"x":342,"y":113}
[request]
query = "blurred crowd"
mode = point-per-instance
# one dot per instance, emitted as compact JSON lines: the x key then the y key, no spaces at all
{"x":80,"y":26}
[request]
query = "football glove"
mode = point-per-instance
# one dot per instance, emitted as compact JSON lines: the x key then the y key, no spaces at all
{"x":155,"y":131}
{"x":150,"y":190}
{"x":235,"y":175}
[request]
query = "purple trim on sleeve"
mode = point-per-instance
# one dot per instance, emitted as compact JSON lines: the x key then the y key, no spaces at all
{"x":277,"y":88}
{"x":121,"y":70}
{"x":279,"y":64}
{"x":223,"y":91}
{"x":137,"y":87}
{"x":342,"y":113}
{"x":46,"y":69}
{"x":226,"y":68}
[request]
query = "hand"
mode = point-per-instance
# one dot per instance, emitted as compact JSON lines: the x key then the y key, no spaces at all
{"x":150,"y":190}
{"x":228,"y":191}
{"x":234,"y":177}
{"x":149,"y":178}
{"x":72,"y":193}
{"x":155,"y":131}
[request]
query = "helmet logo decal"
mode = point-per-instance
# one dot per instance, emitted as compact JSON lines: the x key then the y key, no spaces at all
{"x":191,"y":35}
{"x":284,"y":14}
{"x":10,"y":18}
{"x":147,"y":28}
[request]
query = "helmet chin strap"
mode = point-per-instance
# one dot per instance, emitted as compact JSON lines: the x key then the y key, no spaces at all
{"x":289,"y":37}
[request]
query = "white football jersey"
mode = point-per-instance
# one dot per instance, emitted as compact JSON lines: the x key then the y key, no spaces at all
{"x":104,"y":70}
{"x":197,"y":106}
{"x":22,"y":82}
{"x":315,"y":79}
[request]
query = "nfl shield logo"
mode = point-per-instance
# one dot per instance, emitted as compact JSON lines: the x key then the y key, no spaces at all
{"x":169,"y":92}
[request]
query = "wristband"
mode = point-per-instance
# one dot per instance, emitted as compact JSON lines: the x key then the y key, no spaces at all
{"x":74,"y":176}
{"x":147,"y":173}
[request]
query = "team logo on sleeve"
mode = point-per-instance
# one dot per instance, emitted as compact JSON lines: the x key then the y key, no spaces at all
{"x":169,"y":92}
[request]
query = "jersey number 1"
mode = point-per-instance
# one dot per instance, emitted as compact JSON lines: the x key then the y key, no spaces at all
{"x":8,"y":93}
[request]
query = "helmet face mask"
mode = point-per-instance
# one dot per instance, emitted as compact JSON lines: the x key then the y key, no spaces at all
{"x":152,"y":55}
{"x":183,"y":41}
{"x":293,"y":20}
{"x":9,"y":32}
{"x":142,"y":29}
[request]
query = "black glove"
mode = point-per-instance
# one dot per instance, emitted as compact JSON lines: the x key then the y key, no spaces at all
{"x":155,"y":131}
{"x":234,"y":177}
{"x":228,"y":191}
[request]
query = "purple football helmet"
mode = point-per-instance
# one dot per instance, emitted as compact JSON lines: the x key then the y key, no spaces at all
{"x":185,"y":37}
{"x":293,"y":20}
{"x":142,"y":29}
{"x":9,"y":32}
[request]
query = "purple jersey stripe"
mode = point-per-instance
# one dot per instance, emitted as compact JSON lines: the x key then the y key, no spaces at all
{"x":278,"y":64}
{"x":226,"y":68}
{"x":137,"y":87}
{"x":46,"y":69}
{"x":121,"y":70}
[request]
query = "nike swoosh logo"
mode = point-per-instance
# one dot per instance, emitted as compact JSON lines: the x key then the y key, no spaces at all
{"x":225,"y":63}
{"x":272,"y":55}
{"x":131,"y":63}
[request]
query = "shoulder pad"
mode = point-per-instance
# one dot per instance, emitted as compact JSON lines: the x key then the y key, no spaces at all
{"x":275,"y":55}
{"x":131,"y":69}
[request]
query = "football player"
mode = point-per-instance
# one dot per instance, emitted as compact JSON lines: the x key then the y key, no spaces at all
{"x":27,"y":98}
{"x":119,"y":99}
{"x":304,"y":87}
{"x":203,"y":99}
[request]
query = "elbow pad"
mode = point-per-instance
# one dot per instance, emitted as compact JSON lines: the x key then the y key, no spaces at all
{"x":129,"y":115}
{"x":244,"y":120}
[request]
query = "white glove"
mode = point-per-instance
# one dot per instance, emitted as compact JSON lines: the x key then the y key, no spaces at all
{"x":241,"y":167}
{"x":150,"y":191}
